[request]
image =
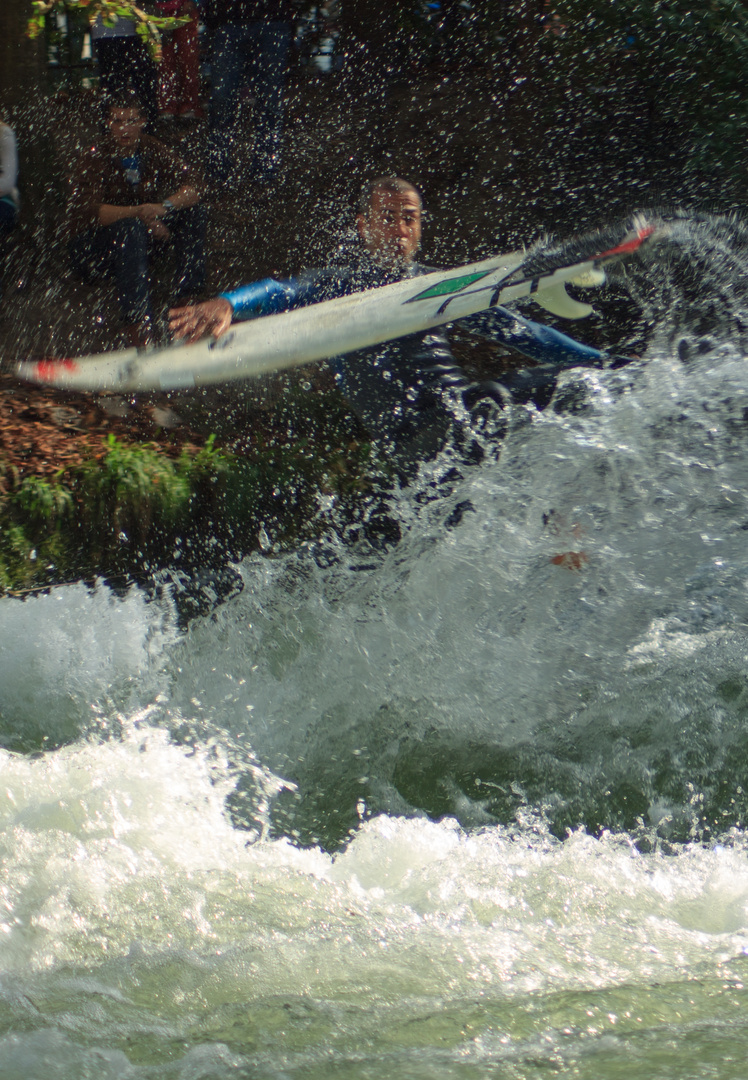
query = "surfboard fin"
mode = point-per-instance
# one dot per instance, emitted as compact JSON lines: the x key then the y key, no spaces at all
{"x":558,"y":302}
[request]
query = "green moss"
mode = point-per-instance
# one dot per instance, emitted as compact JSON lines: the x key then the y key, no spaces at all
{"x":124,"y":513}
{"x":134,"y":490}
{"x":44,"y":501}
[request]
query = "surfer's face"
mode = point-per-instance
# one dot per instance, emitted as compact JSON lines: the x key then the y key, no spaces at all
{"x":391,"y":230}
{"x":126,"y":126}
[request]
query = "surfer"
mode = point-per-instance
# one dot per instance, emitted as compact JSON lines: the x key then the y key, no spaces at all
{"x":409,"y":393}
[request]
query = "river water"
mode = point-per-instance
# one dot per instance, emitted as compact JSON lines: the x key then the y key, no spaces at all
{"x":473,"y":805}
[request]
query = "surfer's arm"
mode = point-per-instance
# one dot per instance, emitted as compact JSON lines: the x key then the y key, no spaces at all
{"x":270,"y":295}
{"x":265,"y":297}
{"x":548,"y":348}
{"x":215,"y":316}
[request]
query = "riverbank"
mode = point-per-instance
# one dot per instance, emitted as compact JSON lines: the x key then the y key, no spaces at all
{"x":118,"y":487}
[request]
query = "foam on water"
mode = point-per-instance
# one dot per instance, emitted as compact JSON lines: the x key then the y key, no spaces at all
{"x":70,"y":656}
{"x":142,"y":936}
{"x":466,"y":671}
{"x":477,"y":657}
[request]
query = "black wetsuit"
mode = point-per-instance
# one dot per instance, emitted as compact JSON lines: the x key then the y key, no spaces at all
{"x":411,"y":393}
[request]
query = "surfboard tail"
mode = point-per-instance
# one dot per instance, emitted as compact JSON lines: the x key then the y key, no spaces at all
{"x":48,"y":371}
{"x":114,"y":369}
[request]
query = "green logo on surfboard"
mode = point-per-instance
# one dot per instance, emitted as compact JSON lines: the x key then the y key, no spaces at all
{"x":450,"y":285}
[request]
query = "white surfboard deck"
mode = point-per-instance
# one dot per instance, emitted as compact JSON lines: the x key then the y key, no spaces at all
{"x":336,"y":327}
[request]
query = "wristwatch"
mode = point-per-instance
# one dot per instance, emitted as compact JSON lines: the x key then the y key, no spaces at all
{"x":168,"y":205}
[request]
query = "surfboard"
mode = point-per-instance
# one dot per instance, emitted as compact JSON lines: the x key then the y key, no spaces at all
{"x":336,"y":327}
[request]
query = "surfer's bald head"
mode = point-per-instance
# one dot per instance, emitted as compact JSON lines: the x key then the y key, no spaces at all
{"x":389,"y":220}
{"x":394,"y":185}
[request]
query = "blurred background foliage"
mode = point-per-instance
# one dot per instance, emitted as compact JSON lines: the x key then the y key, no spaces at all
{"x":690,"y":60}
{"x":686,"y":59}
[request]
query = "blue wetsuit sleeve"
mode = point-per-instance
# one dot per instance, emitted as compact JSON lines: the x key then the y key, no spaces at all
{"x":266,"y":297}
{"x":535,"y":340}
{"x":269,"y":297}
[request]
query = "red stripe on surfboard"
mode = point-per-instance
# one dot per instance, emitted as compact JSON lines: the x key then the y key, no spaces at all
{"x":49,"y":370}
{"x":628,"y":245}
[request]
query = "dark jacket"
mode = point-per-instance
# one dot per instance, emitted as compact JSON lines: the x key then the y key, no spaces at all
{"x":399,"y":389}
{"x":411,"y":392}
{"x":100,"y":177}
{"x":404,"y":391}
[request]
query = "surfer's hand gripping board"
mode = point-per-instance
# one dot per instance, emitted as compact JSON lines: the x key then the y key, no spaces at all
{"x":196,"y":320}
{"x":336,"y":327}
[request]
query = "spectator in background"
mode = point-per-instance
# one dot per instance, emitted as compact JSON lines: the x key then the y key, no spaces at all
{"x":132,"y":193}
{"x":254,"y":35}
{"x":124,"y":61}
{"x":180,"y":63}
{"x":9,"y":201}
